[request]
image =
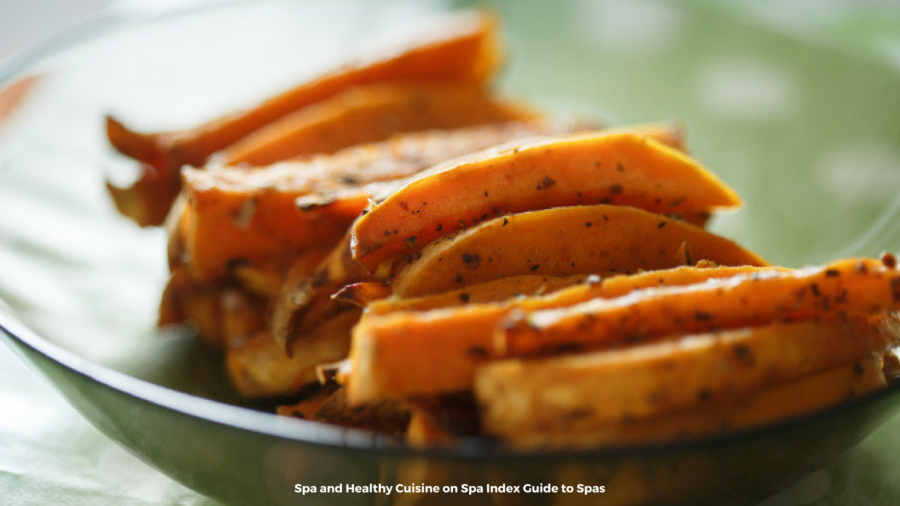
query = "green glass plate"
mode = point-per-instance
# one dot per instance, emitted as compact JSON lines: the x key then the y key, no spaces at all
{"x":806,"y":134}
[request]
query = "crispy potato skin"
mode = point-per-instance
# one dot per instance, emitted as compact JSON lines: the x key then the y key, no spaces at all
{"x":563,"y":241}
{"x":620,"y":168}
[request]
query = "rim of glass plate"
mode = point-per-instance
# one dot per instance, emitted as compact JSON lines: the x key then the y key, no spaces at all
{"x":120,"y":16}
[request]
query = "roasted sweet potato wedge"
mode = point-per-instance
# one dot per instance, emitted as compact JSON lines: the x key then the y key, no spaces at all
{"x":781,"y":401}
{"x":266,"y":280}
{"x":471,"y":140}
{"x":305,"y":302}
{"x":230,"y":222}
{"x":463,"y":48}
{"x":851,"y":287}
{"x":176,"y":234}
{"x":261,"y":368}
{"x":184,"y":301}
{"x":222,"y":314}
{"x":242,"y":315}
{"x":375,"y":296}
{"x":251,"y":213}
{"x":577,"y":169}
{"x":414,"y":352}
{"x":370,"y":114}
{"x":563,"y":241}
{"x":492,"y":291}
{"x":647,"y":380}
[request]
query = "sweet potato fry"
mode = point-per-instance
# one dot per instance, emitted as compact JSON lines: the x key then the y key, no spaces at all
{"x":171,"y":311}
{"x":176,"y":227}
{"x":370,"y":114}
{"x":651,"y":379}
{"x":463,"y":48}
{"x":222,"y":314}
{"x":148,"y":200}
{"x":849,"y":287}
{"x":266,"y":280}
{"x":564,"y":241}
{"x":436,"y":143}
{"x":261,"y":368}
{"x":492,"y":291}
{"x":184,"y":301}
{"x":336,"y":189}
{"x":376,"y":296}
{"x":805,"y":395}
{"x":227,"y":227}
{"x":588,"y":168}
{"x":305,"y":300}
{"x":409,"y":353}
{"x":242,"y":315}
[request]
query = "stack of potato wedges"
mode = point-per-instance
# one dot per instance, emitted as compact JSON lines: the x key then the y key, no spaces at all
{"x":397,"y":247}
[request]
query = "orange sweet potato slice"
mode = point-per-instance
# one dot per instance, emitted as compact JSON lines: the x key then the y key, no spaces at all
{"x":563,"y":241}
{"x":370,"y":114}
{"x":576,"y":169}
{"x":242,"y":315}
{"x":462,"y":48}
{"x":221,"y":313}
{"x":492,"y":291}
{"x":650,"y":379}
{"x":260,"y":368}
{"x":843,"y":288}
{"x":226,"y":229}
{"x":249,"y":215}
{"x":482,"y":137}
{"x":415,"y":352}
{"x":176,"y":227}
{"x":702,"y":418}
{"x":305,"y":302}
